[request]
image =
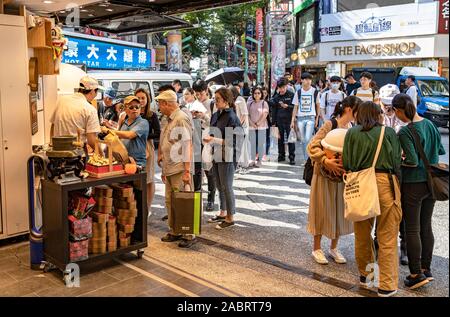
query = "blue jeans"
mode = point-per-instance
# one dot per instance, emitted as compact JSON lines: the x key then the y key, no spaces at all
{"x":306,"y":129}
{"x":257,"y":141}
{"x":224,"y":175}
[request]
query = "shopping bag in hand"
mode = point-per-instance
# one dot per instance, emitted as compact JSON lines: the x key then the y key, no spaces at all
{"x":207,"y":157}
{"x":187,"y":211}
{"x":275,"y":132}
{"x":292,"y":136}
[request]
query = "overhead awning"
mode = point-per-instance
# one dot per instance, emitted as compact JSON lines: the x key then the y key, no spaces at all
{"x":138,"y":16}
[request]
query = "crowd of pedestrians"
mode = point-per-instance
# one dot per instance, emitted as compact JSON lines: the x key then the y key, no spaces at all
{"x":343,"y":125}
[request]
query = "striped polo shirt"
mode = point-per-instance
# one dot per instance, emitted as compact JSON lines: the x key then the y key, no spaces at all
{"x":367,"y":95}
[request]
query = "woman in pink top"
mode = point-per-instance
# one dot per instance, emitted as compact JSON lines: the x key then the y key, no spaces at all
{"x":258,"y":110}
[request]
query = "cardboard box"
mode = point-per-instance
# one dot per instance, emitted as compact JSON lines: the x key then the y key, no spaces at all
{"x":112,"y":247}
{"x":127,"y":220}
{"x":103,"y":191}
{"x":112,"y":220}
{"x":99,"y":217}
{"x":120,"y":197}
{"x":104,"y":201}
{"x":103,"y":209}
{"x":126,"y":228}
{"x":121,"y":213}
{"x":120,"y":204}
{"x":124,"y":242}
{"x":123,"y":190}
{"x":98,"y":250}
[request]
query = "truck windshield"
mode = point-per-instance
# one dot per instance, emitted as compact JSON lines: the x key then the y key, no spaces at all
{"x":433,"y":87}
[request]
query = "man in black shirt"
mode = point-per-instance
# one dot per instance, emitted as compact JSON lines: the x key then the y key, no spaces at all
{"x":282,"y":107}
{"x":352,"y":84}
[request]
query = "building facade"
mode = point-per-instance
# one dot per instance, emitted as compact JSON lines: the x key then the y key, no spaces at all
{"x":358,"y":33}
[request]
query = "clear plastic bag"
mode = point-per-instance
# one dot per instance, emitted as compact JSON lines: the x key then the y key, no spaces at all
{"x":207,"y":157}
{"x":292,"y":136}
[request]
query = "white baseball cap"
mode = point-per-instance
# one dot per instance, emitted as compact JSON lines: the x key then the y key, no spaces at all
{"x":388,"y":92}
{"x":90,"y":83}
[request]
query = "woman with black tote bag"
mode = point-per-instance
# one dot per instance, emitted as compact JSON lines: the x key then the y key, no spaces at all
{"x":421,"y":144}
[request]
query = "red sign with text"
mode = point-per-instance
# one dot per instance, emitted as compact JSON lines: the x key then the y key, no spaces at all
{"x":443,"y":16}
{"x":260,"y":27}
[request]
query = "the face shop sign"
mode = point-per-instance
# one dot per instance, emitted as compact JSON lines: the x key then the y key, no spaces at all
{"x":376,"y":49}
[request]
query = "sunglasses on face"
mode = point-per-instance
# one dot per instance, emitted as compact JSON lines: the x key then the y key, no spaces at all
{"x":134,"y":107}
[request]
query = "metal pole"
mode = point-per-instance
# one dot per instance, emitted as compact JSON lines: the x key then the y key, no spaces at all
{"x":258,"y":72}
{"x":245,"y":60}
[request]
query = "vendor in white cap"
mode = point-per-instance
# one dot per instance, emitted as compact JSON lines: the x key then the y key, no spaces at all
{"x":387,"y":93}
{"x":75,"y":112}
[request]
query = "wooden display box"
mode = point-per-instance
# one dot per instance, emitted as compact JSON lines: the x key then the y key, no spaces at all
{"x":46,"y":64}
{"x":40,"y":36}
{"x":106,"y":170}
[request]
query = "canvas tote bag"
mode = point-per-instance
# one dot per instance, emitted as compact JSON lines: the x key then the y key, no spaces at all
{"x":361,"y":192}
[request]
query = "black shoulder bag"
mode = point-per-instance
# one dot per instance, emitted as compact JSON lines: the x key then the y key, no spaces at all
{"x":308,"y":171}
{"x":437,"y":173}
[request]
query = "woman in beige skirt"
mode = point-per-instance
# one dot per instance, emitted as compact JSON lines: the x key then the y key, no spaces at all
{"x":326,"y":207}
{"x":154,"y":133}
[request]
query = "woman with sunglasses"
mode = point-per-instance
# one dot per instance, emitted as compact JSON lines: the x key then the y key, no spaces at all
{"x":258,"y":110}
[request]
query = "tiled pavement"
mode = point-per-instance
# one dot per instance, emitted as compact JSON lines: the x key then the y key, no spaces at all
{"x":266,"y":254}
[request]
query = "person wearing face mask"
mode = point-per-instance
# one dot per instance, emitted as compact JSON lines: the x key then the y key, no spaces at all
{"x":330,"y":98}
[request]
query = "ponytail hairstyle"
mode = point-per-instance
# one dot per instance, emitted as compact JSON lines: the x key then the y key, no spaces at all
{"x":352,"y":102}
{"x":405,"y":103}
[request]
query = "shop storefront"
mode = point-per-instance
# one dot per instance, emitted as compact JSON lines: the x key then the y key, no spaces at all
{"x":418,"y":51}
{"x":394,"y":36}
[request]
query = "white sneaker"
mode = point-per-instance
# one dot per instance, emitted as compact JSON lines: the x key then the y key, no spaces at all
{"x":337,"y":256}
{"x":319,"y":257}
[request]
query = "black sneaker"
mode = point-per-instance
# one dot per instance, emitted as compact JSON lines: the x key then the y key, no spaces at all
{"x":170,"y":238}
{"x":224,"y":224}
{"x":292,"y":162}
{"x":217,"y":218}
{"x":416,"y":282}
{"x":281,"y":159}
{"x":428,"y":275}
{"x":185,"y":243}
{"x":165,"y":218}
{"x":383,"y":293}
{"x":210,"y":206}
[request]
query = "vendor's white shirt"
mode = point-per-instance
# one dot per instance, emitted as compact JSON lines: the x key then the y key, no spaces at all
{"x":329,"y":103}
{"x":307,"y":105}
{"x":74,"y":112}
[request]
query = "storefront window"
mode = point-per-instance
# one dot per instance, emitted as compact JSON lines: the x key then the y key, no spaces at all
{"x":306,"y":27}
